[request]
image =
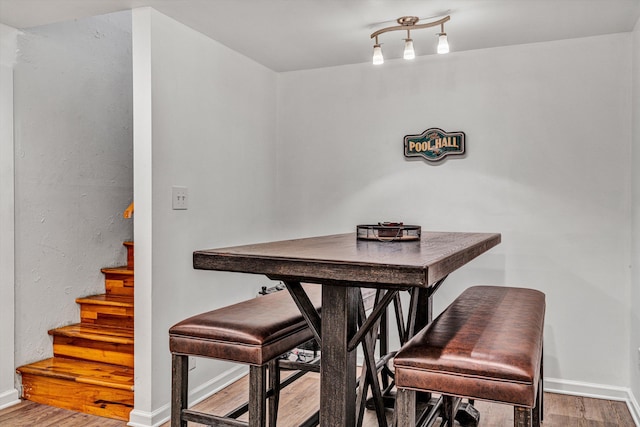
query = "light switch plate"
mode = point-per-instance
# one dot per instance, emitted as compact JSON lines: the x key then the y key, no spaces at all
{"x":179,"y":197}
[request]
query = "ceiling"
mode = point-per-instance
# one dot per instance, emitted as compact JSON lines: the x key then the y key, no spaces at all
{"x":287,"y":35}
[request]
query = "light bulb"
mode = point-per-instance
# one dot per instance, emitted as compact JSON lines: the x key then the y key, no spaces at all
{"x":378,"y":59}
{"x":443,"y":44}
{"x":409,"y":53}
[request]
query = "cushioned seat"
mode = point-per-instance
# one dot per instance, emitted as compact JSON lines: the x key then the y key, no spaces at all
{"x":254,"y":332}
{"x":486,"y":345}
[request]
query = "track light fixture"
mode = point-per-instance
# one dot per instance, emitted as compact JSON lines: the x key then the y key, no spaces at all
{"x":409,"y":53}
{"x":378,"y":59}
{"x":409,"y":23}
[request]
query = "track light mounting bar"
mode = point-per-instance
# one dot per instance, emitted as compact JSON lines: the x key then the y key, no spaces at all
{"x":410,"y":23}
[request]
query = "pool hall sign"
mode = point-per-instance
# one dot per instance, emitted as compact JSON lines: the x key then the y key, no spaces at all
{"x":434,"y":144}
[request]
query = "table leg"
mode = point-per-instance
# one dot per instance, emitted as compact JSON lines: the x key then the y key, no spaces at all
{"x":424,"y":309}
{"x":338,"y":364}
{"x":422,"y":306}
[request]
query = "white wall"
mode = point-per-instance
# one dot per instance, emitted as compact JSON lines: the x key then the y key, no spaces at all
{"x":73,"y":170}
{"x":205,"y":118}
{"x":8,"y":392}
{"x":548,"y":165}
{"x":635,"y":263}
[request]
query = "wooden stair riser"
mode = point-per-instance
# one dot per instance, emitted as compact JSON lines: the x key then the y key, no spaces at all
{"x":98,"y":314}
{"x":86,"y":349}
{"x":129,"y":246}
{"x":87,"y":398}
{"x":118,"y":284}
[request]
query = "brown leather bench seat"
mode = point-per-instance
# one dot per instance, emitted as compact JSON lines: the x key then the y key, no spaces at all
{"x":254,"y":332}
{"x":251,"y":332}
{"x":486,"y":345}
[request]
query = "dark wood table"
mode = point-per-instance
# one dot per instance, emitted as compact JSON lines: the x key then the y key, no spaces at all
{"x":342,"y":264}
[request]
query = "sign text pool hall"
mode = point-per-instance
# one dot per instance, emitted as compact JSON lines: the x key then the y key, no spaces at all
{"x":434,"y":144}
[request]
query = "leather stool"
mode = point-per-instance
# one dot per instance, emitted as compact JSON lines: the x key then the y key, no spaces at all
{"x":486,"y":345}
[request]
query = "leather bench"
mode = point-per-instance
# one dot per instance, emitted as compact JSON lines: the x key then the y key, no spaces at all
{"x":254,"y":332}
{"x":486,"y":345}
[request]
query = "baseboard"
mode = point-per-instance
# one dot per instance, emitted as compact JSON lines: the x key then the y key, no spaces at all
{"x":596,"y":391}
{"x":9,"y":398}
{"x":634,"y":408}
{"x":161,"y":415}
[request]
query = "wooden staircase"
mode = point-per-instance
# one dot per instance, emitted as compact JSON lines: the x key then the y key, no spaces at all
{"x":91,"y":370}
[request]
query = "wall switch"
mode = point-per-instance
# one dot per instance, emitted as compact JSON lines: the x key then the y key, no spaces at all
{"x":192,"y":363}
{"x":179,"y":197}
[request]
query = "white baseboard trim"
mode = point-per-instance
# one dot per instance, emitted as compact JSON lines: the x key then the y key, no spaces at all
{"x":161,"y":415}
{"x":596,"y":391}
{"x":634,"y":408}
{"x":9,"y":398}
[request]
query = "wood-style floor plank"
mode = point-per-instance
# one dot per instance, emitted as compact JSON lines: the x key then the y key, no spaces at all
{"x":300,"y":400}
{"x":30,"y":414}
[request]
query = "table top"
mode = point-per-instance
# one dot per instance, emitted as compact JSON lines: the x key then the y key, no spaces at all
{"x":341,"y":258}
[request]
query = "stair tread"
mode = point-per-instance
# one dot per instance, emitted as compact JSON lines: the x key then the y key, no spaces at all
{"x":118,"y":270}
{"x":107,"y":299}
{"x":82,"y":371}
{"x":110,"y":334}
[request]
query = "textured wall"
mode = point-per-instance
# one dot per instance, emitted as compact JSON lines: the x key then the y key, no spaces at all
{"x":73,"y":169}
{"x":8,"y":393}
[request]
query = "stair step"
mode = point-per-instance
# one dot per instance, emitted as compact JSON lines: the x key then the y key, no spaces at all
{"x":123,"y":270}
{"x":82,"y":371}
{"x":96,"y":333}
{"x":96,"y":343}
{"x":97,"y":388}
{"x":107,"y":299}
{"x":118,"y":280}
{"x":107,"y":309}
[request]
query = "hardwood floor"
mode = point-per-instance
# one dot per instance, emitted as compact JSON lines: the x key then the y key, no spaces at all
{"x":301,"y":399}
{"x":33,"y":414}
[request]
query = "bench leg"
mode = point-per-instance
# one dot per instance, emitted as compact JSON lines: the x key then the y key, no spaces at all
{"x":257,"y":392}
{"x":541,"y":387}
{"x":179,"y":388}
{"x":274,"y":384}
{"x":522,"y":416}
{"x":537,"y":410}
{"x":405,"y":413}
